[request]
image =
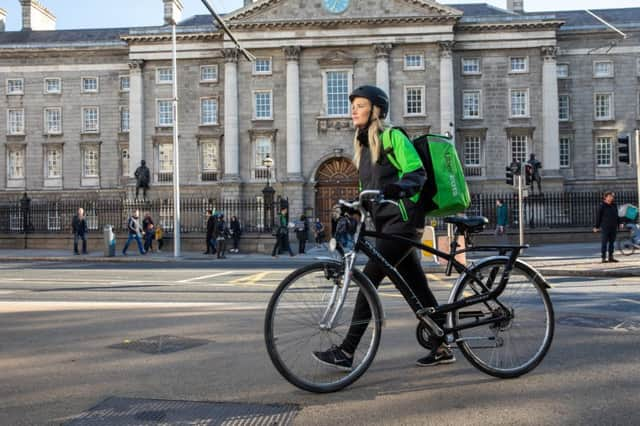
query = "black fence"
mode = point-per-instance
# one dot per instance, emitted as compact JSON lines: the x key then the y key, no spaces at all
{"x":45,"y":216}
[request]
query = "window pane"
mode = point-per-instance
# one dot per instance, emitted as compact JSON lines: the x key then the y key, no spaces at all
{"x":470,"y":66}
{"x":519,"y":148}
{"x":562,"y":70}
{"x":53,"y":120}
{"x":124,"y":119}
{"x":89,"y":84}
{"x":263,"y":104}
{"x":563,"y":107}
{"x":262,"y":66}
{"x":15,"y":86}
{"x":209,"y":157}
{"x":518,"y":64}
{"x":165,"y":158}
{"x":603,"y":69}
{"x":413,"y":61}
{"x":164,"y":75}
{"x":262,"y":148}
{"x":54,"y":163}
{"x":209,"y":73}
{"x":16,"y":164}
{"x":471,"y":104}
{"x":52,"y":85}
{"x":209,"y":111}
{"x":125,"y":83}
{"x":564,"y":152}
{"x":472,"y":151}
{"x":16,"y":121}
{"x":414,"y":98}
{"x":603,"y":152}
{"x":91,"y":162}
{"x":90,"y":119}
{"x":337,"y":93}
{"x":603,"y":106}
{"x":165,"y":113}
{"x":519,"y":103}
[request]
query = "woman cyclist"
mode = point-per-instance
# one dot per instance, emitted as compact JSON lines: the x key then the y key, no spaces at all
{"x":369,"y":107}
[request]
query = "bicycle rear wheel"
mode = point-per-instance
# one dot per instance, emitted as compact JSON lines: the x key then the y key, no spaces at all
{"x":517,"y":344}
{"x":626,"y":246}
{"x":293,"y":330}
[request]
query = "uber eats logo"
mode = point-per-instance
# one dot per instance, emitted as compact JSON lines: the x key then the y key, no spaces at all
{"x":448,"y":161}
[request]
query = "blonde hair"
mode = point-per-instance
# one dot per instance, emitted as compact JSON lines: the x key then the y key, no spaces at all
{"x":376,"y":127}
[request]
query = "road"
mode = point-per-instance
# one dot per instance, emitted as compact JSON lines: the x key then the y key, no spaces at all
{"x":59,"y":323}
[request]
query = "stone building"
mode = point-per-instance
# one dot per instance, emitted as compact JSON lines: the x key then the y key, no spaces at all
{"x":82,"y":108}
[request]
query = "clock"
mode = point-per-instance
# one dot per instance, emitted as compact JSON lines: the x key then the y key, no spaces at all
{"x":336,"y":6}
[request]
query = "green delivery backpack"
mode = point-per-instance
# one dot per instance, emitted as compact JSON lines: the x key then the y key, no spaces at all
{"x":445,"y":191}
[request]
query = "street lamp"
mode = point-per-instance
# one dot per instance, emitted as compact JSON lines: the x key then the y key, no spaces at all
{"x":267,"y":194}
{"x":268,"y":163}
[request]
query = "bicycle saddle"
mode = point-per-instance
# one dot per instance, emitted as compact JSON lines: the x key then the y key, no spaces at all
{"x":470,"y":224}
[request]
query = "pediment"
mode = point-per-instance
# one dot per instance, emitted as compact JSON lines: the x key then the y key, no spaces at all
{"x":282,"y":11}
{"x":336,"y":58}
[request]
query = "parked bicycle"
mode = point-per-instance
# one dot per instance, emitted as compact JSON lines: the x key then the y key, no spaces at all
{"x":499,"y":313}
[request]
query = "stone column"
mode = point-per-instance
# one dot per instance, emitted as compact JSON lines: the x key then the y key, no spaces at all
{"x":383,"y":51}
{"x":550,"y":115}
{"x":231,"y":131}
{"x":294,"y":158}
{"x":447,"y":103}
{"x":136,"y":116}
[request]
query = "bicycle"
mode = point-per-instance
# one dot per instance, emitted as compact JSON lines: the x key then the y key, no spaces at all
{"x":501,"y":296}
{"x":626,"y":242}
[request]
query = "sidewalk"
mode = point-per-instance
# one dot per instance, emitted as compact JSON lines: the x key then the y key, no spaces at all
{"x":550,"y":259}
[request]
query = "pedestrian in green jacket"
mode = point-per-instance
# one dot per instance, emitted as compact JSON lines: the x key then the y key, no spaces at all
{"x":502,"y":217}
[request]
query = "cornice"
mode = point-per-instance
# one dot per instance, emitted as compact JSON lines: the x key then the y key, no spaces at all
{"x":168,"y":37}
{"x":328,"y":23}
{"x":502,"y":26}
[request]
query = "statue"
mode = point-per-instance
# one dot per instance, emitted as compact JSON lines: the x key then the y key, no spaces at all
{"x":536,"y":165}
{"x":143,"y":176}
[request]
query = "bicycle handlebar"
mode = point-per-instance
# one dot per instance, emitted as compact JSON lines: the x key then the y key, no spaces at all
{"x":374,"y":194}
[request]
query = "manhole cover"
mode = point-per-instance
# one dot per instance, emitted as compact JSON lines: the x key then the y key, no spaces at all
{"x":597,"y":322}
{"x":133,"y":411}
{"x":160,"y":344}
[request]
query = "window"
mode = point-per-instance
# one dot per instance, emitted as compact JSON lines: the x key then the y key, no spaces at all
{"x":53,"y":218}
{"x":124,"y":161}
{"x":209,"y":152}
{"x":91,"y":161}
{"x":15,"y":86}
{"x":165,"y":162}
{"x":414,"y":61}
{"x":164,"y":112}
{"x":90,"y":120}
{"x":602,"y":69}
{"x":519,"y":148}
{"x":471,"y":104}
{"x":15,"y":168}
{"x":519,"y":64}
{"x":208,"y":73}
{"x":208,"y":111}
{"x":52,"y":85}
{"x":124,"y":119}
{"x":603,"y":152}
{"x":15,"y":122}
{"x":565,"y":144}
{"x":262,"y":148}
{"x":164,"y":75}
{"x":562,"y":70}
{"x":519,"y":102}
{"x":262,"y":66}
{"x":53,"y":121}
{"x":125,"y":83}
{"x":89,"y":84}
{"x":472,"y":151}
{"x":563,"y":107}
{"x":414,"y":100}
{"x":337,"y":88}
{"x":262,"y":105}
{"x":470,"y":66}
{"x":53,"y":165}
{"x":603,"y":106}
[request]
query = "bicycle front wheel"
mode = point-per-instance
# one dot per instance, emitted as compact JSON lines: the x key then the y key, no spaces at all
{"x":296,"y":326}
{"x":626,"y":246}
{"x":516,"y":344}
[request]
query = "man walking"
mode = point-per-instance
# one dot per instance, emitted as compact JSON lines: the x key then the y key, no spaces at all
{"x":211,"y":229}
{"x":135,"y":232}
{"x":79,"y":229}
{"x":607,"y":222}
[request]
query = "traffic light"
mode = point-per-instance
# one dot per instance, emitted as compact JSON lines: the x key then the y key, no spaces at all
{"x":623,"y":149}
{"x":528,"y":174}
{"x":509,"y":176}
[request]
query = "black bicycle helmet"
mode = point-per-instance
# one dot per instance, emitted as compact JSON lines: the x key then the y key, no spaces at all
{"x":375,"y":95}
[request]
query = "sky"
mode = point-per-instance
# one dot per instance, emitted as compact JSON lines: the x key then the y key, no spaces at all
{"x":72,"y":14}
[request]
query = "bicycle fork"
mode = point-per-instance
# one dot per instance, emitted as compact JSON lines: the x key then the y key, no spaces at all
{"x":338,"y":295}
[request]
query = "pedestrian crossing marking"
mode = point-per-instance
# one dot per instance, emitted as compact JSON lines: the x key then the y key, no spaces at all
{"x":188,"y":280}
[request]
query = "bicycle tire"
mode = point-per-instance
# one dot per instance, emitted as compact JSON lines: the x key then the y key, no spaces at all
{"x":626,"y":246}
{"x":294,"y":310}
{"x":527,"y":298}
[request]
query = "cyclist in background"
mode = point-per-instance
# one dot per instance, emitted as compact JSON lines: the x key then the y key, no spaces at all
{"x":369,"y":107}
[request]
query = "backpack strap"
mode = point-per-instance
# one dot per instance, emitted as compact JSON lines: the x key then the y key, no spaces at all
{"x":387,"y":148}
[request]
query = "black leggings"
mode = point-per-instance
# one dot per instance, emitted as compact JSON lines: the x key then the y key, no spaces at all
{"x":608,"y":238}
{"x":411,"y":270}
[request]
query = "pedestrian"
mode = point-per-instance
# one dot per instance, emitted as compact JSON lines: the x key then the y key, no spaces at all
{"x":211,"y":230}
{"x":135,"y":232}
{"x":159,"y":235}
{"x":302,"y":231}
{"x":222,"y":234}
{"x":607,"y":222}
{"x":344,"y":236}
{"x":282,"y":234}
{"x":319,"y":233}
{"x":235,"y":229}
{"x":369,"y":107}
{"x":502,"y":219}
{"x":80,"y":230}
{"x":149,"y":232}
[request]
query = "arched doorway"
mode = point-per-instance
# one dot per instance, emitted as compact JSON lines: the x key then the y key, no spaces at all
{"x":337,"y":178}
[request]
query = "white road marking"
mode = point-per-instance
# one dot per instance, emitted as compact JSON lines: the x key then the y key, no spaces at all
{"x":38,"y":306}
{"x":206,"y":276}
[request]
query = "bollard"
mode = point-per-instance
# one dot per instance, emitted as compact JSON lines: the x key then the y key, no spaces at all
{"x":109,"y":241}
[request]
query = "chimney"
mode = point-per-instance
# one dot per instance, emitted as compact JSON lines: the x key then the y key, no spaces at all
{"x":3,"y":19}
{"x":35,"y":17}
{"x":516,"y":6}
{"x":172,"y":11}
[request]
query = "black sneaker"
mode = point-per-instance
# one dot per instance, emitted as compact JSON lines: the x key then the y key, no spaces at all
{"x":443,"y":355}
{"x":334,"y":357}
{"x":612,"y":260}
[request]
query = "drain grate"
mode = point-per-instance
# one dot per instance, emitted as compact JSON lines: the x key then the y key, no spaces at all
{"x":117,"y":411}
{"x":598,"y":322}
{"x":160,"y":344}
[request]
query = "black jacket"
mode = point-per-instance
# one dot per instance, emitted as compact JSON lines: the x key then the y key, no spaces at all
{"x":211,"y":226}
{"x":607,"y":218}
{"x":79,"y":227}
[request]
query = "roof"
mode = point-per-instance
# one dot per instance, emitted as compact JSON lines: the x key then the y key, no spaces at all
{"x":105,"y":36}
{"x":580,"y":20}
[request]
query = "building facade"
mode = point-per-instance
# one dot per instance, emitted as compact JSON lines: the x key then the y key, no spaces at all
{"x":82,"y":108}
